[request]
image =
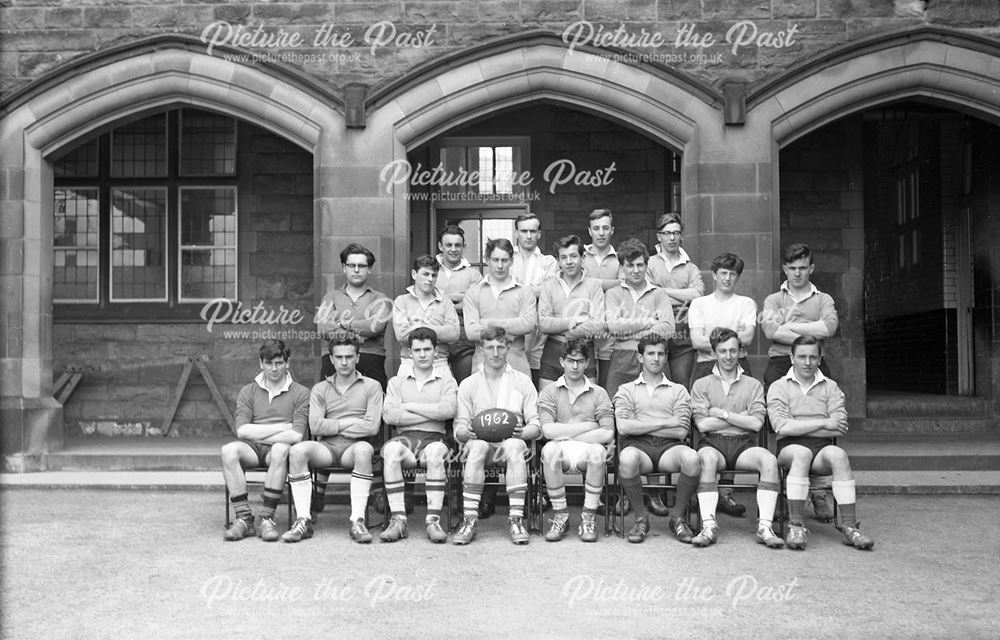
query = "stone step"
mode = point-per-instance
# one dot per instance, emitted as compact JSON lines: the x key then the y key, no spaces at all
{"x":925,"y":425}
{"x":923,"y":406}
{"x":868,"y":482}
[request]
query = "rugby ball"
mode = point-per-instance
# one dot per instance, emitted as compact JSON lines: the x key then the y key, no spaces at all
{"x":495,"y":425}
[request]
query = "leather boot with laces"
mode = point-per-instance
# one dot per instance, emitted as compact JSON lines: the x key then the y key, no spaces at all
{"x":559,"y":521}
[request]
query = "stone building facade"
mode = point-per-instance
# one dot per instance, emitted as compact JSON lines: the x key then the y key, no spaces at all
{"x":867,"y":129}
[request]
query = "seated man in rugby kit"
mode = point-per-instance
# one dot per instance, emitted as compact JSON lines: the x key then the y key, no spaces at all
{"x":495,"y":385}
{"x":344,"y":411}
{"x":272,"y":414}
{"x":807,"y":412}
{"x":577,"y":418}
{"x":570,"y":305}
{"x":654,"y":417}
{"x":424,"y":305}
{"x":728,"y":409}
{"x":417,"y":404}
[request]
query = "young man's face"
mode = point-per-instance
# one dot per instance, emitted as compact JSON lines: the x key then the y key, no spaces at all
{"x":725,"y":280}
{"x":274,"y":369}
{"x":345,"y":359}
{"x":601,"y":232}
{"x":528,"y":234}
{"x":574,"y":367}
{"x":452,"y":246}
{"x":570,"y":261}
{"x":499,"y":264}
{"x":422,"y":352}
{"x":805,"y":360}
{"x":798,"y":272}
{"x":635,"y":272}
{"x":496,"y":353}
{"x":670,"y":237}
{"x":356,"y":269}
{"x":727,"y":354}
{"x":652,"y":358}
{"x":424,"y":280}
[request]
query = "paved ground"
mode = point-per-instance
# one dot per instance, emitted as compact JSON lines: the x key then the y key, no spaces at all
{"x":127,"y":564}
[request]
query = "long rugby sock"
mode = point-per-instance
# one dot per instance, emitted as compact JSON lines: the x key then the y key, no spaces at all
{"x":844,"y":493}
{"x":515,"y":494}
{"x":319,"y":491}
{"x":271,"y":498}
{"x":591,"y":498}
{"x":301,"y":493}
{"x":686,"y":486}
{"x":767,"y":499}
{"x":797,"y":489}
{"x":557,"y":495}
{"x":241,"y":507}
{"x":708,"y":500}
{"x":394,"y":494}
{"x":633,"y":490}
{"x":471,"y":492}
{"x":435,"y":496}
{"x":361,"y":486}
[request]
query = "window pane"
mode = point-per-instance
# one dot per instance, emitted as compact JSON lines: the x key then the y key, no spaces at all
{"x":208,"y":273}
{"x":138,"y":244}
{"x":493,"y":229}
{"x":81,"y":162}
{"x":139,"y":149}
{"x":77,"y":239}
{"x":208,"y":144}
{"x":504,"y":169}
{"x":208,"y":243}
{"x":486,"y":169}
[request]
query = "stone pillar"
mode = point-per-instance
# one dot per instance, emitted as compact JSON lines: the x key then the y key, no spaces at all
{"x":30,"y":418}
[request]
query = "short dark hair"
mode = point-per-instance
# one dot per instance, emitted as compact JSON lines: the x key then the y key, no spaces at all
{"x":597,"y":214}
{"x":566,"y":242}
{"x":807,"y":340}
{"x":576,"y":345}
{"x":722,"y":334}
{"x":632,"y":249}
{"x":343,"y":339}
{"x":493,"y":333}
{"x":422,"y":333}
{"x":452,"y":230}
{"x":524,"y":217}
{"x":729,"y":261}
{"x":426,"y":262}
{"x":272,"y":349}
{"x":499,"y":243}
{"x":795,"y":252}
{"x":650,"y":339}
{"x":668,"y":218}
{"x":355,"y":248}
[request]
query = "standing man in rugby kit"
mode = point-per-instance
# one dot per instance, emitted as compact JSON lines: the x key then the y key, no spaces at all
{"x":455,"y":278}
{"x":424,"y":305}
{"x":495,"y":386}
{"x":531,"y":268}
{"x":272,"y":414}
{"x":798,"y":308}
{"x":345,"y":410}
{"x":417,"y":404}
{"x":579,"y":421}
{"x":729,"y":410}
{"x":634,"y":309}
{"x":600,"y":260}
{"x":571,"y":306}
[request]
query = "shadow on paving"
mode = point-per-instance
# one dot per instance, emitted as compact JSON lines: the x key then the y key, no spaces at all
{"x":100,"y":564}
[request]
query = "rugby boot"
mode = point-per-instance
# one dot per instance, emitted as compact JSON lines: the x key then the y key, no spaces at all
{"x":359,"y":532}
{"x":766,"y":536}
{"x":559,"y":521}
{"x":435,"y":533}
{"x":822,"y":506}
{"x":681,"y":530}
{"x":395,"y":530}
{"x":301,"y":529}
{"x":730,"y":507}
{"x":856,"y":539}
{"x":639,"y":530}
{"x":518,"y":534}
{"x":239,"y":529}
{"x":466,"y":532}
{"x":796,"y":538}
{"x":588,"y":528}
{"x":268,"y":530}
{"x":708,"y":535}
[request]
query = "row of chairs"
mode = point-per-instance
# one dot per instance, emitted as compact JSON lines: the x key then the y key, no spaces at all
{"x":613,"y":496}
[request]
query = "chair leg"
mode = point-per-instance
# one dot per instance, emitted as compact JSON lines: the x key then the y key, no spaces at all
{"x":226,"y":505}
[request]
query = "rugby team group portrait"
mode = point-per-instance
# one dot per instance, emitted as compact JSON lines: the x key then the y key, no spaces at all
{"x":608,"y":361}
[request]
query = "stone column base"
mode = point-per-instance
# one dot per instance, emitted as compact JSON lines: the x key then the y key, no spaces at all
{"x":30,"y":428}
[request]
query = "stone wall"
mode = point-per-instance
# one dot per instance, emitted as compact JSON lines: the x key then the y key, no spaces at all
{"x":37,"y":36}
